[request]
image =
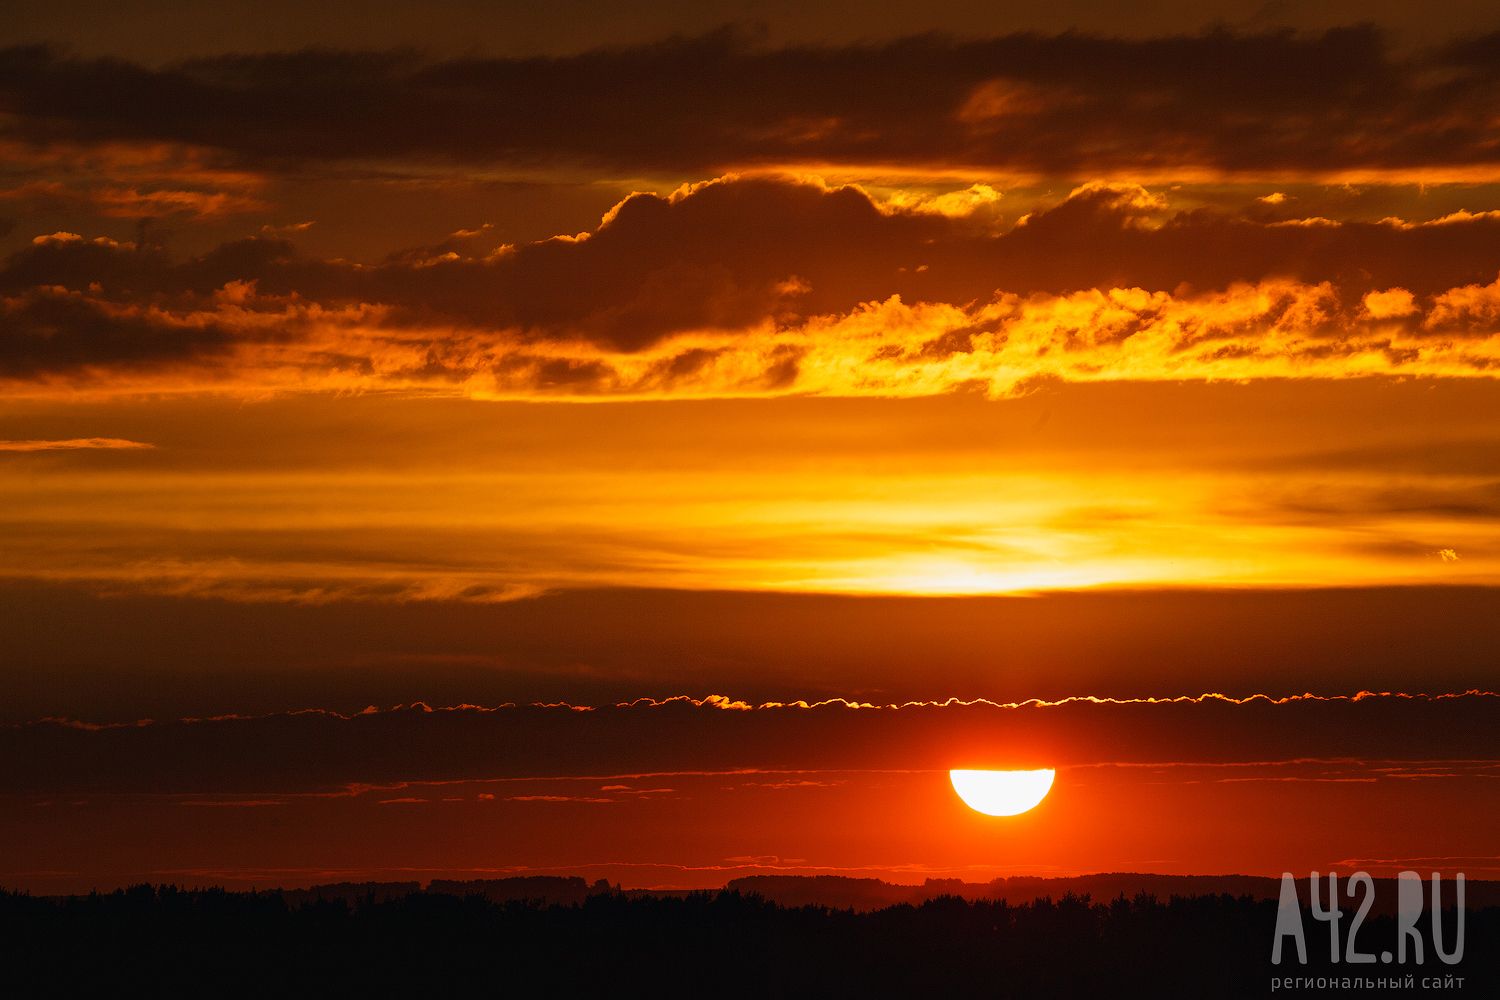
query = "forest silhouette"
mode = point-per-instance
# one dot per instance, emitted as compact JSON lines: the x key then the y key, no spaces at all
{"x":399,"y":940}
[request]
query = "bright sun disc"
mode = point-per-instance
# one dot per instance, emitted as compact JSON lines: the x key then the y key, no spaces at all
{"x":1002,"y":793}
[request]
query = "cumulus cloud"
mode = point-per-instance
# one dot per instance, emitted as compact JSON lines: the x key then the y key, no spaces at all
{"x":1390,"y":303}
{"x":766,"y":285}
{"x":1472,"y":308}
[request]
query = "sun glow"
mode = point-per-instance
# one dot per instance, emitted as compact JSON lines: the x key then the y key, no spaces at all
{"x":1002,"y":793}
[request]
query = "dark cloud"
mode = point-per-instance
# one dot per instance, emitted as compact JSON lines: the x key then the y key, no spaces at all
{"x":1061,"y":105}
{"x":1434,"y":456}
{"x":44,"y":334}
{"x":1470,"y":502}
{"x":726,"y":256}
{"x":138,"y":271}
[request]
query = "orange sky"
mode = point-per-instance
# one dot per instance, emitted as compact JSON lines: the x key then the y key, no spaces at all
{"x":1024,"y":355}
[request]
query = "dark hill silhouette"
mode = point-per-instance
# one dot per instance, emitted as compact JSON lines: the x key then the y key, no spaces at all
{"x":844,"y":892}
{"x":350,"y":892}
{"x":872,"y":893}
{"x":540,"y":888}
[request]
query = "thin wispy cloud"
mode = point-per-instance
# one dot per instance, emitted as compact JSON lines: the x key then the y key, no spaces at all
{"x":75,"y":444}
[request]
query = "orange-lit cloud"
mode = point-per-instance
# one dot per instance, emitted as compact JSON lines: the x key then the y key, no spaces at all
{"x":767,"y":286}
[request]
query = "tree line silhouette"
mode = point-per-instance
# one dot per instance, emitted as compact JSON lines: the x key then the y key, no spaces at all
{"x":166,"y":941}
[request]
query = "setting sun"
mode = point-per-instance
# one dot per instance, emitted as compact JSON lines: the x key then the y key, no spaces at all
{"x":1002,"y":793}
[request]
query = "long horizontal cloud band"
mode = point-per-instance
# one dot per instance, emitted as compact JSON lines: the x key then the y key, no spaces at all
{"x":1324,"y":104}
{"x":748,"y":286}
{"x":323,"y":752}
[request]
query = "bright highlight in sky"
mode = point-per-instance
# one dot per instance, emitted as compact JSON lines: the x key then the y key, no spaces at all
{"x":1002,"y":793}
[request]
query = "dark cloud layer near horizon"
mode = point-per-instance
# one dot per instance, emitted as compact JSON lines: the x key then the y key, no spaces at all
{"x":1070,"y":105}
{"x":109,"y":659}
{"x":319,"y":752}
